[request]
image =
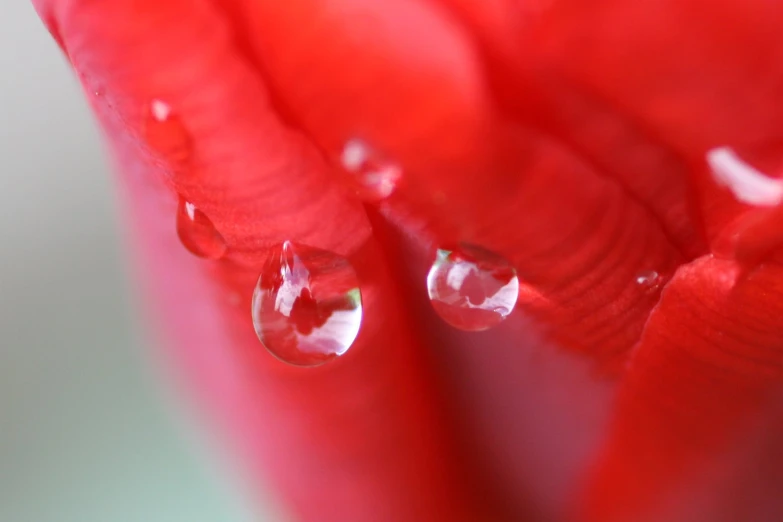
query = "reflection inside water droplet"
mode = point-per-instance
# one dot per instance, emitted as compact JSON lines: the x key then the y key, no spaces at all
{"x":472,"y":288}
{"x":373,"y":177}
{"x":307,"y":306}
{"x":197,"y":233}
{"x":165,"y":133}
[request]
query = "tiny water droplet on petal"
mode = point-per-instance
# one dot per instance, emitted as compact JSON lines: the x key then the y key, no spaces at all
{"x":166,"y":134}
{"x":372,"y":176}
{"x":472,"y":288}
{"x":197,"y":233}
{"x":649,"y":279}
{"x":307,"y":306}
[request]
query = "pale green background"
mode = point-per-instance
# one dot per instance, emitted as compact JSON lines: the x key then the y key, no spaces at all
{"x":87,"y":433}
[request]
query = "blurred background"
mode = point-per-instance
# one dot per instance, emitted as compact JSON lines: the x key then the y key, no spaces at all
{"x":88,"y":431}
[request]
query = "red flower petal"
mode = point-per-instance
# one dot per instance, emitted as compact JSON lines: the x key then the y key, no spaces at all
{"x":534,"y":85}
{"x":685,"y":78}
{"x":256,"y":179}
{"x":708,"y":369}
{"x":691,"y":78}
{"x":559,"y":134}
{"x":696,"y":77}
{"x":360,"y":439}
{"x":573,"y":235}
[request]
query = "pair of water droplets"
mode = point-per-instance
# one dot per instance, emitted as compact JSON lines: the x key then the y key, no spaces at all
{"x":307,"y":304}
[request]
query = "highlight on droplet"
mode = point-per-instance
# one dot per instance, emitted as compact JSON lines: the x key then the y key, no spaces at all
{"x":165,"y":133}
{"x":197,"y":232}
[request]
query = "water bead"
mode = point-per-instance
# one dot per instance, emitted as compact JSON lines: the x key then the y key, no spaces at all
{"x":197,"y":233}
{"x":472,"y":288}
{"x":307,"y":306}
{"x":649,"y":279}
{"x":372,"y":176}
{"x":166,"y":135}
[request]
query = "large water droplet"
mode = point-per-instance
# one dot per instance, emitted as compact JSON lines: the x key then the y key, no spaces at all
{"x":472,"y":288}
{"x":197,"y":233}
{"x":166,"y":134}
{"x":373,"y":177}
{"x":307,"y":306}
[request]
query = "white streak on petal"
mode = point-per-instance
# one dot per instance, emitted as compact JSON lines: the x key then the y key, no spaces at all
{"x":746,"y":183}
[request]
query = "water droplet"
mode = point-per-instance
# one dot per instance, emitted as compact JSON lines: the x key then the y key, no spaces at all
{"x":374,"y":178}
{"x":166,"y":134}
{"x":748,"y":184}
{"x":472,"y":288}
{"x":197,"y":233}
{"x":307,"y":306}
{"x":649,"y":279}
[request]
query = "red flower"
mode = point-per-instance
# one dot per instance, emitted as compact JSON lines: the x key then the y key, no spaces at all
{"x":576,"y":139}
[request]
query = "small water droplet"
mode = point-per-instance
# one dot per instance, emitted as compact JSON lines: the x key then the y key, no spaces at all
{"x":472,"y":288}
{"x":166,"y":134}
{"x":374,"y":178}
{"x":307,"y":306}
{"x":649,"y":279}
{"x":197,"y":233}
